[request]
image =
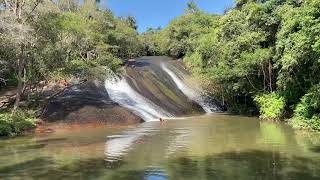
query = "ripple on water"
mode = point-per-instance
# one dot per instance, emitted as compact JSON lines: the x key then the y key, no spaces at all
{"x":216,"y":147}
{"x":118,"y":145}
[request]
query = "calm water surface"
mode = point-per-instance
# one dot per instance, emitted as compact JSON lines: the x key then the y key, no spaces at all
{"x":206,"y":147}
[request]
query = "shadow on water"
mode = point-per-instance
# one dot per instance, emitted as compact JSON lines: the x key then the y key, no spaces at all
{"x":46,"y":168}
{"x":315,"y":149}
{"x":139,"y":175}
{"x":7,"y":151}
{"x":31,"y":168}
{"x":32,"y":147}
{"x":245,"y":165}
{"x":23,"y":148}
{"x":229,"y":165}
{"x":51,"y":140}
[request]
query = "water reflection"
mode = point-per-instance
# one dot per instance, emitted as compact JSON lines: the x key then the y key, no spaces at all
{"x":245,"y":165}
{"x":315,"y":149}
{"x":155,"y":174}
{"x":208,"y":147}
{"x":118,"y":145}
{"x":178,"y":141}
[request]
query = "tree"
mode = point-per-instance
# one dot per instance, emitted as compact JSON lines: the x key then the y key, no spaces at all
{"x":16,"y":31}
{"x":49,"y":40}
{"x":68,"y":5}
{"x":192,"y":7}
{"x":132,"y":22}
{"x":257,"y":49}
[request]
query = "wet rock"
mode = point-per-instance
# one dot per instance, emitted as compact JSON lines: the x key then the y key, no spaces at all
{"x":149,"y":80}
{"x":87,"y":103}
{"x":90,"y":101}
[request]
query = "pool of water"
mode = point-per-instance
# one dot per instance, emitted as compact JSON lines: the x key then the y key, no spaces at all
{"x":204,"y":147}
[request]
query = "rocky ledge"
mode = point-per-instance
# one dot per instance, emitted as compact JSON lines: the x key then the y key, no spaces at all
{"x":87,"y":103}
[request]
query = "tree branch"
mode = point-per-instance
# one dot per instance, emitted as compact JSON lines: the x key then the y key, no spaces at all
{"x":7,"y":4}
{"x":35,"y":6}
{"x":253,"y":85}
{"x":3,"y":80}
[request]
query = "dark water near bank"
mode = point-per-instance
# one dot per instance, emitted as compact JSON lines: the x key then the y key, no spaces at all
{"x":206,"y":147}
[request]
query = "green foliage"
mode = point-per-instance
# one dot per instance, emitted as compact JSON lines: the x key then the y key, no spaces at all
{"x":94,"y":43}
{"x":151,"y":41}
{"x":305,"y":123}
{"x":61,"y":40}
{"x":181,"y":34}
{"x":307,"y":112}
{"x":234,"y":55}
{"x":297,"y":50}
{"x":271,"y":106}
{"x":257,"y":47}
{"x":131,"y":22}
{"x":14,"y":124}
{"x":192,"y":7}
{"x":67,"y":38}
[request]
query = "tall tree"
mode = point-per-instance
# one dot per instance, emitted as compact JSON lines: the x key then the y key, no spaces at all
{"x":18,"y":32}
{"x":192,"y":7}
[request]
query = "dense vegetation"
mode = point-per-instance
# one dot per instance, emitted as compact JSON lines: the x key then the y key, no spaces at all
{"x":258,"y":55}
{"x":45,"y":41}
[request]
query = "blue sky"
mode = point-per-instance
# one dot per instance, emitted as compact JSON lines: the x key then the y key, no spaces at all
{"x":155,"y":13}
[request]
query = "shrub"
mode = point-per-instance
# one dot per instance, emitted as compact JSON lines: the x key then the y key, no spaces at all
{"x":14,"y":124}
{"x":307,"y":112}
{"x":306,"y":123}
{"x":271,"y":106}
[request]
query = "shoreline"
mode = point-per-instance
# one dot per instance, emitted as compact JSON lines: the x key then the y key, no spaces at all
{"x":52,"y":127}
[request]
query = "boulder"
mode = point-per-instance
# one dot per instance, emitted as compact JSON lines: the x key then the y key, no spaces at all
{"x":87,"y":103}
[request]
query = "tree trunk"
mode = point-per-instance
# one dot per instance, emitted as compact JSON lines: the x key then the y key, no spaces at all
{"x":20,"y":86}
{"x":270,"y":76}
{"x":222,"y":94}
{"x":264,"y":78}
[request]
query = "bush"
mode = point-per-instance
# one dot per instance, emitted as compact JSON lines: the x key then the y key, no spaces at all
{"x":306,"y":123}
{"x":14,"y":124}
{"x":271,"y":106}
{"x":307,"y":112}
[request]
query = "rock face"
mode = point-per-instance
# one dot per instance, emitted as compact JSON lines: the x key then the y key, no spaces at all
{"x":148,"y":79}
{"x":88,"y":103}
{"x":145,"y":76}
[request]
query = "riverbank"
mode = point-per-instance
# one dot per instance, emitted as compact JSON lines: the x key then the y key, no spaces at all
{"x":85,"y":103}
{"x":59,"y":127}
{"x":23,"y":125}
{"x":148,"y":88}
{"x":143,"y":91}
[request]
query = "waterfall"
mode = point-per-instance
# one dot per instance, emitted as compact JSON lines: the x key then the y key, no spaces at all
{"x":122,"y":93}
{"x":189,"y":92}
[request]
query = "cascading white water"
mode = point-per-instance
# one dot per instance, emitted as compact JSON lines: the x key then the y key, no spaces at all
{"x":189,"y":92}
{"x":122,"y":93}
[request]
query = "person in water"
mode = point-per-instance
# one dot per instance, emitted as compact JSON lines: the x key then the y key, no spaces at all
{"x":162,"y":120}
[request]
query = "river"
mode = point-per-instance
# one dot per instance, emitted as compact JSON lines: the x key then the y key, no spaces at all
{"x":213,"y":146}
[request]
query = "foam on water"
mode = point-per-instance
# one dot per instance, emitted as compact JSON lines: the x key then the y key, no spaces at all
{"x":122,"y":93}
{"x":189,"y":92}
